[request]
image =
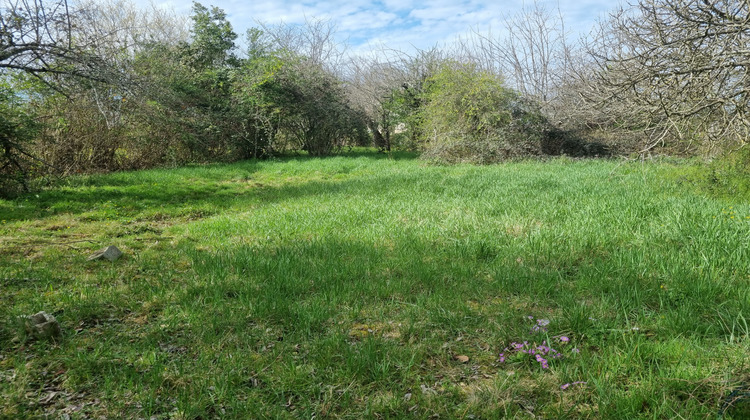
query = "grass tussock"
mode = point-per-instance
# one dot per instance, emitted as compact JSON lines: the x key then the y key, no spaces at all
{"x":726,"y":177}
{"x":362,"y":286}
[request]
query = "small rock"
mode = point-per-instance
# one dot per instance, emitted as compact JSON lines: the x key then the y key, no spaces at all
{"x":110,"y":253}
{"x":42,"y":325}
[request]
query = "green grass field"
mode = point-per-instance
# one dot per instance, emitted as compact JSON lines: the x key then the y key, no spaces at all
{"x":367,"y":287}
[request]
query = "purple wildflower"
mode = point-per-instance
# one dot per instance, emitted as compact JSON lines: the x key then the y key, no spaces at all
{"x":575,"y":350}
{"x":541,"y":352}
{"x":543,"y":361}
{"x":564,"y":339}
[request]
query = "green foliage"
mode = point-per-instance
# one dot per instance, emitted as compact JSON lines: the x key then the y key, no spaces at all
{"x":18,"y":126}
{"x":196,"y":101}
{"x":318,"y":118}
{"x":201,"y":85}
{"x":179,"y":109}
{"x":470,"y":116}
{"x":212,"y":38}
{"x":730,"y":174}
{"x":727,"y":176}
{"x":254,"y":106}
{"x":303,"y":106}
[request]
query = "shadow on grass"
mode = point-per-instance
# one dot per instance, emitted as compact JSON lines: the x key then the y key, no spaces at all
{"x":215,"y":186}
{"x":367,"y":303}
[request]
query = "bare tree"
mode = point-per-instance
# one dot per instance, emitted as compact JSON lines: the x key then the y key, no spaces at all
{"x":536,"y":51}
{"x":34,"y":38}
{"x":388,"y":85}
{"x":84,"y":51}
{"x":39,"y":38}
{"x":117,"y":31}
{"x":315,"y":40}
{"x":531,"y":52}
{"x":372,"y":82}
{"x":677,"y":70}
{"x":90,"y":39}
{"x":32,"y":34}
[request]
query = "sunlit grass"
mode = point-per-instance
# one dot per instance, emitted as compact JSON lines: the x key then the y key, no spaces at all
{"x":357,"y":287}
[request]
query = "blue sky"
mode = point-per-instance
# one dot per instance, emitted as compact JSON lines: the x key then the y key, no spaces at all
{"x":400,"y":24}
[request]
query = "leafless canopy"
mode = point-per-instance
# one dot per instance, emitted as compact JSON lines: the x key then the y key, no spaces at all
{"x":680,"y":67}
{"x":34,"y":35}
{"x":531,"y":52}
{"x":89,"y":40}
{"x":315,"y":40}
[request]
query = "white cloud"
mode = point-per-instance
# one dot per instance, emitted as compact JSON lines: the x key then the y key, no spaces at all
{"x":397,"y":23}
{"x":364,"y":20}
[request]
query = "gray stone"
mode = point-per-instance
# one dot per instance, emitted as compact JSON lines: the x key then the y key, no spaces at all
{"x":42,"y":325}
{"x":110,"y":253}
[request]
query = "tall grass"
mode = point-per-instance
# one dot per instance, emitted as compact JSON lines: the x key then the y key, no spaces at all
{"x":353,"y":287}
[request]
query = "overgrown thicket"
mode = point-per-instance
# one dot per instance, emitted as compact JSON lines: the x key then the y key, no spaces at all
{"x":17,"y":128}
{"x":159,"y":91}
{"x":107,"y":86}
{"x":469,"y":115}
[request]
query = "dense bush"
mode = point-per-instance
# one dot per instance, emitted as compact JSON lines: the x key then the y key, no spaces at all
{"x":470,"y":116}
{"x":117,"y":132}
{"x":165,"y":92}
{"x":571,"y":143}
{"x":309,"y":108}
{"x":169,"y":104}
{"x":176,"y":101}
{"x":17,"y":128}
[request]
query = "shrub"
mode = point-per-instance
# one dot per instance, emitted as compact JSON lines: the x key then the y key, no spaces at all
{"x":470,"y":116}
{"x":17,"y":127}
{"x":309,"y":108}
{"x":557,"y":142}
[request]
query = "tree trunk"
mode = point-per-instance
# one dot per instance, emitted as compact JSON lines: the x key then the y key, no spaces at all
{"x":378,"y":139}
